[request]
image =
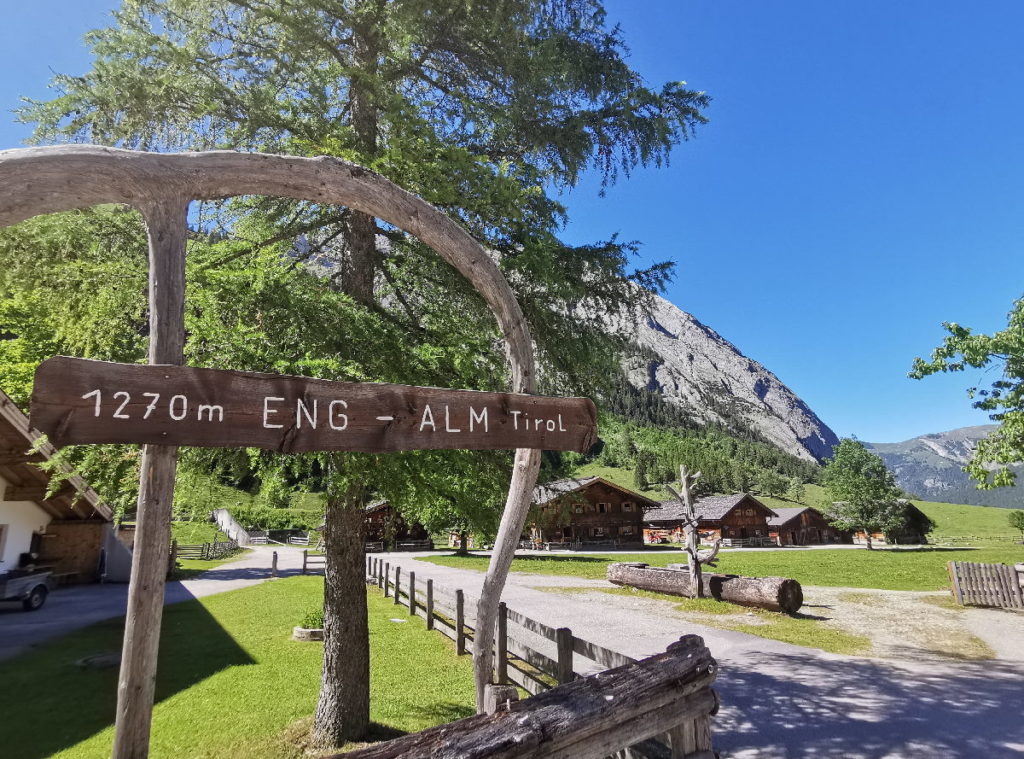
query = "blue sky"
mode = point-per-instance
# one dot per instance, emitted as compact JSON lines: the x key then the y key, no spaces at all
{"x":860,"y":182}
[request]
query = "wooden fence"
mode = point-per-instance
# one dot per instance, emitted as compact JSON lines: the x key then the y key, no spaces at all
{"x":214,"y":550}
{"x":987,"y":584}
{"x":530,"y":654}
{"x":312,"y":561}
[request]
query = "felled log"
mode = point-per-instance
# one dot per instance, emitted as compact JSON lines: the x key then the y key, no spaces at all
{"x":771,"y":593}
{"x":590,"y":718}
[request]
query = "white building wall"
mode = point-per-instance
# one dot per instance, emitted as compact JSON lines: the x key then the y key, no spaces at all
{"x":18,"y":520}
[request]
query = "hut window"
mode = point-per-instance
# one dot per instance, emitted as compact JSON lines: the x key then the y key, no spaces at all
{"x":597,"y":532}
{"x":578,"y":508}
{"x":628,"y":506}
{"x":625,"y":531}
{"x":603,"y":508}
{"x":750,"y":512}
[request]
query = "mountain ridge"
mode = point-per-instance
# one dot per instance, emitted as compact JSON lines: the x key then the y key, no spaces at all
{"x":931,"y":466}
{"x":693,"y":368}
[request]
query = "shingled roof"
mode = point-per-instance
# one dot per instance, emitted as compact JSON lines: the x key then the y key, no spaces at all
{"x":710,"y":508}
{"x":551,"y":490}
{"x":785,"y":515}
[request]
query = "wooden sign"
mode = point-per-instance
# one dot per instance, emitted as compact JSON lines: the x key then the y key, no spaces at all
{"x":77,"y":401}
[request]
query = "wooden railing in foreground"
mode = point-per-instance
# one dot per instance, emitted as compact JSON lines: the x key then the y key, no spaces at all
{"x":530,"y":654}
{"x":997,"y":585}
{"x":616,"y":712}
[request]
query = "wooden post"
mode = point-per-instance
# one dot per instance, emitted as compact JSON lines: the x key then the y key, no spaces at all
{"x":460,"y":622}
{"x":166,"y":227}
{"x":499,"y":698}
{"x":398,"y":583}
{"x":430,"y":604}
{"x":173,"y":560}
{"x":412,"y":594}
{"x":273,"y":565}
{"x":563,"y":639}
{"x":957,"y":593}
{"x":369,"y":563}
{"x":501,"y":643}
{"x":305,"y":555}
{"x":386,"y":579}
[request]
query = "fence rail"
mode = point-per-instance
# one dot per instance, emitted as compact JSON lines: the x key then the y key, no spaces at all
{"x":214,"y":550}
{"x":528,"y":653}
{"x":997,"y":585}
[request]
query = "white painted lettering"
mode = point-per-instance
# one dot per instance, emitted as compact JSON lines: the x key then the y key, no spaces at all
{"x":550,"y":424}
{"x":477,"y":418}
{"x":209,"y":410}
{"x":127,"y":398}
{"x":184,"y":408}
{"x":301,"y":410}
{"x":515,"y":419}
{"x":537,"y":423}
{"x":336,"y":419}
{"x":267,"y":411}
{"x":447,"y":422}
{"x":152,"y":404}
{"x":97,"y":394}
{"x":427,"y":418}
{"x":561,"y":428}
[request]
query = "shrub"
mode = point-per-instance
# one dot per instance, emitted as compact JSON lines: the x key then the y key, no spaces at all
{"x":314,"y":619}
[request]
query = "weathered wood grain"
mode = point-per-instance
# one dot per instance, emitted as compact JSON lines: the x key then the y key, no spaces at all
{"x":589,"y":718}
{"x":76,"y":401}
{"x":166,"y":229}
{"x":772,"y":593}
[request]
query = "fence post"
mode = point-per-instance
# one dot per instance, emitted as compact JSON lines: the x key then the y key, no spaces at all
{"x":501,"y":640}
{"x":430,"y":604}
{"x":563,"y":639}
{"x":369,"y":562}
{"x":398,"y":583}
{"x":460,"y":623}
{"x":273,"y":566}
{"x":412,"y":594}
{"x":304,"y":557}
{"x":173,"y":559}
{"x":386,"y":579}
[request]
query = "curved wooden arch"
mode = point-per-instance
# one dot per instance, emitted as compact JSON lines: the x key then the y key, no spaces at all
{"x":41,"y":180}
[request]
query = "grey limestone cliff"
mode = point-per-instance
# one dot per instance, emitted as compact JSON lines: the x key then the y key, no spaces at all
{"x":702,"y":373}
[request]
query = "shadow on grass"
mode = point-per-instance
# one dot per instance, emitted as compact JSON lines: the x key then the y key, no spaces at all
{"x":50,"y":703}
{"x":441,"y":713}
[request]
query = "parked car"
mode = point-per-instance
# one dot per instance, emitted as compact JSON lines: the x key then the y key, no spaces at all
{"x":29,"y":586}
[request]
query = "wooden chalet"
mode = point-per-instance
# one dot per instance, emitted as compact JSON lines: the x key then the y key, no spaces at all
{"x":915,"y":531}
{"x":69,"y":531}
{"x":803,"y":526}
{"x":587,"y":510}
{"x":738,"y":519}
{"x":385,"y":525}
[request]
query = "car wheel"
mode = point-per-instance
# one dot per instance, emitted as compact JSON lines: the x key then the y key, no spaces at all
{"x":35,"y":599}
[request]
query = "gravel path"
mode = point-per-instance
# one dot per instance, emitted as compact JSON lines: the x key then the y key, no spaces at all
{"x":784,"y":701}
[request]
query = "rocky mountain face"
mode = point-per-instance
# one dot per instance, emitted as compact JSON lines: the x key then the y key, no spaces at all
{"x":931,"y":467}
{"x":697,"y":370}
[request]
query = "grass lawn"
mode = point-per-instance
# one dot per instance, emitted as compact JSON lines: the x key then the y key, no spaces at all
{"x":884,"y":569}
{"x":196,"y":533}
{"x":231,"y":682}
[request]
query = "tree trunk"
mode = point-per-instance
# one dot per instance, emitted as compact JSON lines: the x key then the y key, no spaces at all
{"x":362,"y":228}
{"x":771,"y":593}
{"x":343,"y":712}
{"x":463,"y":542}
{"x":867,"y":537}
